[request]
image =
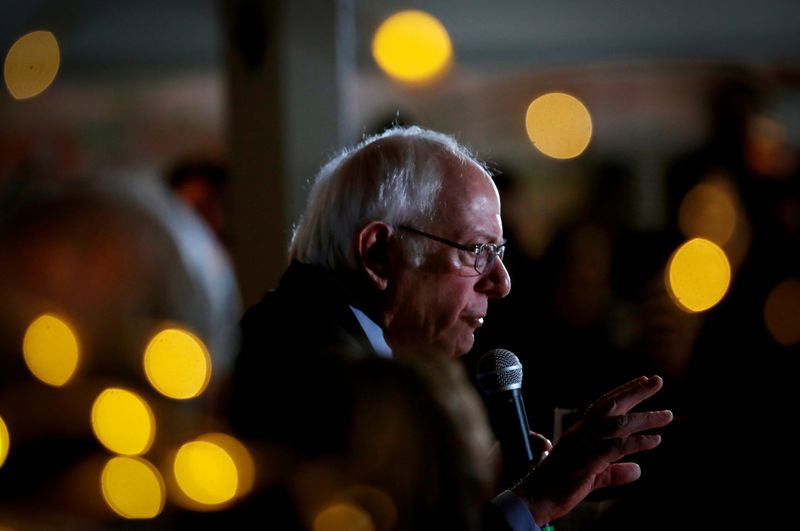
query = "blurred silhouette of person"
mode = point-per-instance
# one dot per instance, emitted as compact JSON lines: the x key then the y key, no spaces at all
{"x":414,"y":454}
{"x":737,"y":189}
{"x":417,"y":434}
{"x":203,"y":182}
{"x":398,"y":254}
{"x":746,"y":154}
{"x":118,"y":258}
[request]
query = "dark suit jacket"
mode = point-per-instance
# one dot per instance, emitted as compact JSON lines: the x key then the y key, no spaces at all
{"x":290,"y":382}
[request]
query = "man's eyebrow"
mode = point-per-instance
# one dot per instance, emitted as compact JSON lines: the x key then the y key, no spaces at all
{"x":486,"y":237}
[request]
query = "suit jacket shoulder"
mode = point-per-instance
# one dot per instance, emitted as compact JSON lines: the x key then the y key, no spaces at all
{"x":290,"y":380}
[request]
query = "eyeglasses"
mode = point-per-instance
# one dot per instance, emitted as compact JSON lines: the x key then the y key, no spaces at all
{"x":485,"y":253}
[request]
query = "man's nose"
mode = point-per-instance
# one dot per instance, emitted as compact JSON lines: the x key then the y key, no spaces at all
{"x":497,"y":280}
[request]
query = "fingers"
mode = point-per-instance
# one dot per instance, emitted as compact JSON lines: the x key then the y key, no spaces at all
{"x":540,"y":442}
{"x":618,"y":474}
{"x":622,"y":399}
{"x":610,"y":450}
{"x":540,"y":445}
{"x":604,"y":452}
{"x":624,"y":425}
{"x":594,"y":455}
{"x":610,"y":396}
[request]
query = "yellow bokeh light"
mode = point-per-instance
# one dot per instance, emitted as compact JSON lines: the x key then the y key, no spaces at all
{"x":206,"y":473}
{"x":707,"y":211}
{"x":377,"y":503}
{"x":559,"y":125}
{"x":412,"y":47}
{"x":5,"y":441}
{"x":123,"y":422}
{"x":343,"y":516}
{"x":698,"y":275}
{"x":245,"y":466}
{"x":31,"y":64}
{"x":51,"y":350}
{"x":782,"y":312}
{"x":133,"y":488}
{"x":177,"y":364}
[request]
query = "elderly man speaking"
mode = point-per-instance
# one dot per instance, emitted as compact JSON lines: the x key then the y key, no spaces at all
{"x":398,"y":254}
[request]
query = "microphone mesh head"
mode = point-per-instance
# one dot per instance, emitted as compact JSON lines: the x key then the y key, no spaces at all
{"x":499,"y":370}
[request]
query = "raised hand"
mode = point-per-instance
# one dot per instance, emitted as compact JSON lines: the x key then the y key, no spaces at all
{"x":586,"y":457}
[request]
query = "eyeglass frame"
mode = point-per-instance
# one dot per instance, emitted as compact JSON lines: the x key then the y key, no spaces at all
{"x":497,"y":249}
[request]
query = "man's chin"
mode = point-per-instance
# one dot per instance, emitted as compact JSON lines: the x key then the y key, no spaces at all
{"x":445,"y":349}
{"x":462,"y":347}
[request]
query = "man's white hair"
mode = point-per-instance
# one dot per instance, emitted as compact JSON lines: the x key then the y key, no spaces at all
{"x":394,"y":177}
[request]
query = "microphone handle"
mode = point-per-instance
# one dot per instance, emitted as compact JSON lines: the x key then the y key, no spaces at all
{"x":510,"y":424}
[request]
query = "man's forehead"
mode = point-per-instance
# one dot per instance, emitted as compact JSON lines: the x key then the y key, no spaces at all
{"x":468,"y":200}
{"x":466,"y":179}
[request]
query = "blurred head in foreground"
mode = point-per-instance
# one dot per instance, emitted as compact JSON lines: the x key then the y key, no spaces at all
{"x":104,"y":284}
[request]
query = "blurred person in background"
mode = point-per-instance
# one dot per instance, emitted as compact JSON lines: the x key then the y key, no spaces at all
{"x":398,"y":254}
{"x":737,"y":189}
{"x":115,"y":259}
{"x":747,"y":160}
{"x":202,"y":182}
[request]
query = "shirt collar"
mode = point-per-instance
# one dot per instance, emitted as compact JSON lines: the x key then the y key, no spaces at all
{"x":374,"y":334}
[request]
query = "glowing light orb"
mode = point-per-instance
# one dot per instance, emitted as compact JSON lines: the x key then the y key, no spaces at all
{"x":343,"y":516}
{"x":177,"y":364}
{"x":51,"y":350}
{"x":698,"y":275}
{"x":31,"y":64}
{"x":412,"y":47}
{"x":5,"y":441}
{"x":133,"y":488}
{"x":206,"y":473}
{"x":782,"y":312}
{"x":123,"y":422}
{"x":559,"y":125}
{"x":707,"y":211}
{"x":245,"y":466}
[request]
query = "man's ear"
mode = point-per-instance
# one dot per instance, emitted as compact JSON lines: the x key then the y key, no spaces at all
{"x":373,"y":250}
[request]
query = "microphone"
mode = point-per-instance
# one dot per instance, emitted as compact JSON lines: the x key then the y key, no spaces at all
{"x":500,"y":378}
